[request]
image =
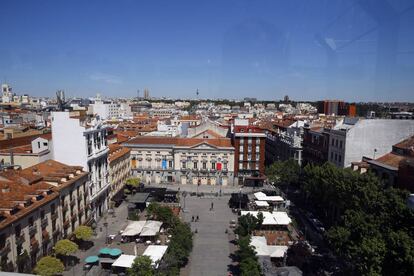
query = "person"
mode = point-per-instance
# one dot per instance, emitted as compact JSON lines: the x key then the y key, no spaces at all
{"x":192,"y":218}
{"x":197,"y":218}
{"x":212,"y":206}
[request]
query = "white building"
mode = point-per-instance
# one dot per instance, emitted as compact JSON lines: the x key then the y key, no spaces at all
{"x":81,"y":142}
{"x":354,"y":138}
{"x":7,"y":96}
{"x":105,"y":110}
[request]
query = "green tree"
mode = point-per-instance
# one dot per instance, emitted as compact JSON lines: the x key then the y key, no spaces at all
{"x":248,"y":223}
{"x":83,"y":232}
{"x":133,"y":182}
{"x":250,"y":267}
{"x":49,"y":266}
{"x":284,"y":172}
{"x":64,"y":248}
{"x":142,"y":266}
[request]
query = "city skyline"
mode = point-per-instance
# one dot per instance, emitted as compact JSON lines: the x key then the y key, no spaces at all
{"x":232,"y":49}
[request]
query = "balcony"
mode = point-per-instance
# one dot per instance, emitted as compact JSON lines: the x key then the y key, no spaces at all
{"x":54,"y":216}
{"x":20,"y":238}
{"x":45,"y":236}
{"x":5,"y":248}
{"x":32,"y":230}
{"x":56,"y":231}
{"x":44,"y":222}
{"x":72,"y":202}
{"x":66,"y":224}
{"x":34,"y":244}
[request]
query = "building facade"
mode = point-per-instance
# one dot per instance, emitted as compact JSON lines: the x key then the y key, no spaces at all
{"x":83,"y":142}
{"x":182,"y":160}
{"x":355,"y":138}
{"x":249,"y":158}
{"x":39,"y":206}
{"x":119,"y":170}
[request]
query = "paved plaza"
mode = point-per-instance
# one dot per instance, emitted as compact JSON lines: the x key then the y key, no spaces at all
{"x":211,"y":250}
{"x":212,"y":247}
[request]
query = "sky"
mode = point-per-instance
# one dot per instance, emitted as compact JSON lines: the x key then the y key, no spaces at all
{"x":355,"y":50}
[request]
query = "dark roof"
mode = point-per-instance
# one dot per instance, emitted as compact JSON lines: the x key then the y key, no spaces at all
{"x":139,"y":198}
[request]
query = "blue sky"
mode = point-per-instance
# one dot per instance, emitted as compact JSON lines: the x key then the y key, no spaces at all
{"x":308,"y":50}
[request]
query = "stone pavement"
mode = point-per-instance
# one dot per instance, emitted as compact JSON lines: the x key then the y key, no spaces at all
{"x":211,"y":250}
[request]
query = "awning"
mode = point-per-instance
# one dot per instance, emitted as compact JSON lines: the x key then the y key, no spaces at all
{"x":104,"y":251}
{"x":115,"y":252}
{"x":261,"y":203}
{"x":134,"y":228}
{"x":124,"y":261}
{"x":92,"y":259}
{"x":155,"y":252}
{"x":151,"y":228}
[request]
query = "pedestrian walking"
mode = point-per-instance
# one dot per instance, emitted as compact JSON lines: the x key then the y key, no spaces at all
{"x":197,"y":218}
{"x":212,"y":206}
{"x":192,"y":218}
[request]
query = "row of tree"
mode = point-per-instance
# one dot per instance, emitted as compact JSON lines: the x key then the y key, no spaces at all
{"x":246,"y":255}
{"x":52,"y":265}
{"x":369,"y":224}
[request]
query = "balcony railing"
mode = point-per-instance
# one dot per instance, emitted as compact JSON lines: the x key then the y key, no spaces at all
{"x":5,"y":248}
{"x":72,"y":202}
{"x":66,"y":223}
{"x":56,"y":231}
{"x":34,"y":244}
{"x":45,"y":236}
{"x":54,"y":216}
{"x":20,"y":238}
{"x":44,"y":222}
{"x":32,"y":230}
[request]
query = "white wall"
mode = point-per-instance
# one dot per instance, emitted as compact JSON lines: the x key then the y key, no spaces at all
{"x":69,"y":143}
{"x":379,"y":134}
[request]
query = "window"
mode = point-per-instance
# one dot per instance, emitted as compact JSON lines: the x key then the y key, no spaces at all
{"x":224,"y":166}
{"x":339,"y":158}
{"x":195,"y":165}
{"x":241,"y":148}
{"x":333,"y":141}
{"x":336,"y":156}
{"x":240,"y":166}
{"x":213,"y":165}
{"x":340,"y":144}
{"x":170,"y":164}
{"x":331,"y":155}
{"x":204,"y":165}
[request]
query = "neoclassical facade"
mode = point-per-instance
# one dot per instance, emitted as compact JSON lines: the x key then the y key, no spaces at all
{"x":182,"y":160}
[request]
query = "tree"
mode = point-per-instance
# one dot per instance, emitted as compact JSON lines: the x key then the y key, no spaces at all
{"x":250,"y":267}
{"x":65,"y":248}
{"x":248,"y":223}
{"x":49,"y":266}
{"x":133,"y":182}
{"x":142,"y":266}
{"x":284,"y":172}
{"x":83,"y":232}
